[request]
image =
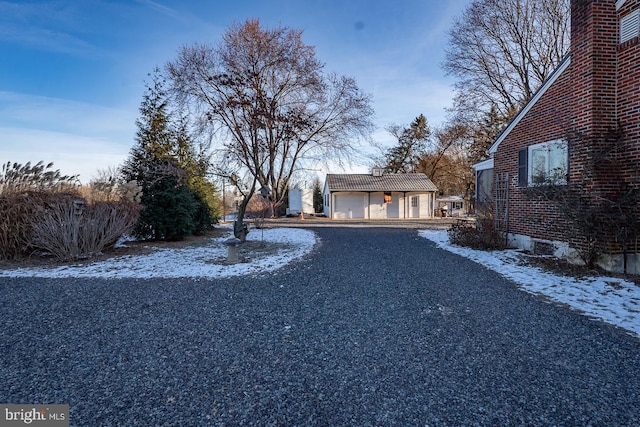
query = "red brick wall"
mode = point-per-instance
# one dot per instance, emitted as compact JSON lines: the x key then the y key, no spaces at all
{"x":594,"y":37}
{"x":628,"y":102}
{"x":599,"y":92}
{"x":547,"y":120}
{"x":593,"y":56}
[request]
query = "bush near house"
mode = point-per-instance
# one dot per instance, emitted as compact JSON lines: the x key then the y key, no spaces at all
{"x":479,"y":234}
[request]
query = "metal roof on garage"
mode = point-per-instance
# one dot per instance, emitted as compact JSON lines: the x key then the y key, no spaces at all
{"x":387,"y":182}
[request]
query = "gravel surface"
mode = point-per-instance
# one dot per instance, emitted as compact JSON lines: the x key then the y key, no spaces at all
{"x":377,"y":327}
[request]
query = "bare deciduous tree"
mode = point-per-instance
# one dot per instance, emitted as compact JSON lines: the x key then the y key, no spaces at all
{"x":447,"y":162}
{"x":265,"y":94}
{"x":502,"y":50}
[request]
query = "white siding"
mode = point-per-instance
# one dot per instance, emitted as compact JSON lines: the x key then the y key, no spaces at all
{"x":426,"y":205}
{"x":424,"y":208}
{"x":377,"y":207}
{"x":393,"y":208}
{"x":326,"y":200}
{"x":362,"y":205}
{"x":301,"y":200}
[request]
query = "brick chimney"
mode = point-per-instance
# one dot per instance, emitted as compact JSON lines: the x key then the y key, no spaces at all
{"x":594,"y":36}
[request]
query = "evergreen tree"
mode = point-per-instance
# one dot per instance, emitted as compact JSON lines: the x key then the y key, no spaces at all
{"x":318,"y":202}
{"x":412,"y":143}
{"x":170,"y":211}
{"x":177,"y":200}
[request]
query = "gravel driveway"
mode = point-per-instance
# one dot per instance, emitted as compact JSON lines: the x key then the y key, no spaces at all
{"x":376,"y":328}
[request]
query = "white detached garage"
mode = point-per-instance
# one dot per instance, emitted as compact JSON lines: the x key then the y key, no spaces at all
{"x":379,"y":196}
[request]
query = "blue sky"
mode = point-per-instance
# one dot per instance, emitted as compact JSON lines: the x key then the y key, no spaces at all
{"x":72,"y":72}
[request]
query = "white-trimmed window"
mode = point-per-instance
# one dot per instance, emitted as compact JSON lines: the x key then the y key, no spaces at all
{"x":545,"y":163}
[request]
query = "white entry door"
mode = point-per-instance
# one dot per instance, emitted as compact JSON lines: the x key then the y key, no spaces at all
{"x":414,"y":207}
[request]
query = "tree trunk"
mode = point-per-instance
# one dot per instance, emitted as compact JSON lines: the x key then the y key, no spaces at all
{"x":240,"y":231}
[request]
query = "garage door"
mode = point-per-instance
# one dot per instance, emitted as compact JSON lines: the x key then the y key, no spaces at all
{"x":349,"y":205}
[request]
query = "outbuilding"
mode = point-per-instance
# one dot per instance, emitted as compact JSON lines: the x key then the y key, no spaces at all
{"x":452,"y":206}
{"x":379,"y":196}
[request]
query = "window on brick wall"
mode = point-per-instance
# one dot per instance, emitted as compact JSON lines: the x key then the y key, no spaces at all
{"x":545,"y":163}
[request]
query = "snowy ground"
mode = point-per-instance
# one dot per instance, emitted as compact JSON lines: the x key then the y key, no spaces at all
{"x":613,"y":300}
{"x":204,"y":261}
{"x":610,"y":299}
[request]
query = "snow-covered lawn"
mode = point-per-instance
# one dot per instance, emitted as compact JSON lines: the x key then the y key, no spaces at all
{"x":202,"y":261}
{"x":613,"y":300}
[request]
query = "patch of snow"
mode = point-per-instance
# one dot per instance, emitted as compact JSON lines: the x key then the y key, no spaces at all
{"x":203,"y":262}
{"x":614,"y":300}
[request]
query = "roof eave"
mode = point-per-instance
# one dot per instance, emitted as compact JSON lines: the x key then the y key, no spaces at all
{"x":379,"y":190}
{"x":620,"y":3}
{"x":483,"y":165}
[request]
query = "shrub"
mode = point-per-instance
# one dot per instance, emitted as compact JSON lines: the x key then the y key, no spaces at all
{"x":480,"y":234}
{"x":21,"y":211}
{"x":62,"y":224}
{"x":107,"y":187}
{"x":25,"y":191}
{"x":42,"y":209}
{"x":72,"y":229}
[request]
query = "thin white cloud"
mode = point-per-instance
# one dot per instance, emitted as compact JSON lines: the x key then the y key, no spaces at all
{"x":79,"y":138}
{"x":41,"y":112}
{"x":45,"y":39}
{"x":46,"y":26}
{"x":165,"y":10}
{"x":72,"y":154}
{"x":194,"y":22}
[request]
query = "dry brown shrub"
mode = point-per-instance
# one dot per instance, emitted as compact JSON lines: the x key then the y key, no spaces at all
{"x":61,"y":223}
{"x":21,"y":211}
{"x":479,"y":234}
{"x":72,"y":230}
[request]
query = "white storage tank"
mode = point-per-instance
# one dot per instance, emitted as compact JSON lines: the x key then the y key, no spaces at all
{"x":300,"y":200}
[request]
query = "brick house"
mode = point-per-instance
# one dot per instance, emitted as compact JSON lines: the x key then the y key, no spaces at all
{"x":580,"y":131}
